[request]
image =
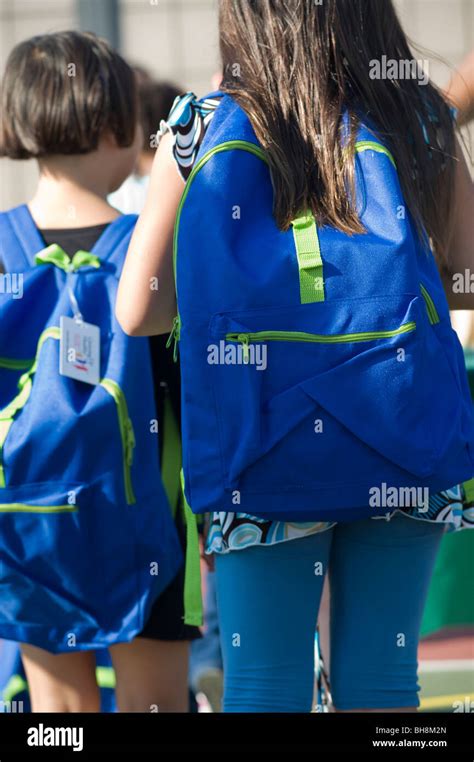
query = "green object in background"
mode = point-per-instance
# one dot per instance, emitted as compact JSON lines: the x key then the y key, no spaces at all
{"x":451,"y":596}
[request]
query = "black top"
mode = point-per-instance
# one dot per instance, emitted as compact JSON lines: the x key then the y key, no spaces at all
{"x":73,"y":239}
{"x":165,"y":370}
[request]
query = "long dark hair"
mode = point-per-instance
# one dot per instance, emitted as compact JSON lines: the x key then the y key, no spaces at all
{"x":295,"y":67}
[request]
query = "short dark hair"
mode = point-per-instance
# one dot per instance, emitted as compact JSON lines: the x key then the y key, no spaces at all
{"x":60,"y":92}
{"x":155,"y":101}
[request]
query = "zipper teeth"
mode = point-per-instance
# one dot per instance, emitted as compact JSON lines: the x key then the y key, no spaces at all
{"x":24,"y":508}
{"x":298,"y":336}
{"x":124,"y":422}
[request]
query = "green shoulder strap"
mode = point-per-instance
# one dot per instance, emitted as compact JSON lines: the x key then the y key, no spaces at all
{"x":310,"y":263}
{"x":192,"y":574}
{"x":173,"y":482}
{"x":305,"y":232}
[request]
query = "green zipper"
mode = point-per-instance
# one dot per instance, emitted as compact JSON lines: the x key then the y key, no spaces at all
{"x":430,"y":306}
{"x":25,"y":508}
{"x":126,"y":433}
{"x":12,"y":364}
{"x":299,"y":336}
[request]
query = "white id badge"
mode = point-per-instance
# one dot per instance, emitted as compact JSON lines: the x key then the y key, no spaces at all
{"x":79,"y":354}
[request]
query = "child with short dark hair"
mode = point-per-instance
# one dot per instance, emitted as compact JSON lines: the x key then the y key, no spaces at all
{"x":69,"y":100}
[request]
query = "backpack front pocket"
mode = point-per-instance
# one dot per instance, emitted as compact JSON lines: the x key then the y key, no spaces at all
{"x":48,"y":558}
{"x":331,"y":392}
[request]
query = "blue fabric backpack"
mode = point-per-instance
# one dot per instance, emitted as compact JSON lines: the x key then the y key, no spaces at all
{"x":87,"y":538}
{"x":317,"y":367}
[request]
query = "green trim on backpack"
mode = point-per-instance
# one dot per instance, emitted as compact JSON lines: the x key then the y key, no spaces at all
{"x":55,"y":255}
{"x":173,"y":483}
{"x":310,"y":264}
{"x":192,"y":576}
{"x":105,"y":677}
{"x":300,"y":336}
{"x":371,"y":145}
{"x":25,"y":383}
{"x":430,"y":306}
{"x":27,"y":508}
{"x":127,"y":434}
{"x":16,"y":684}
{"x":9,"y":363}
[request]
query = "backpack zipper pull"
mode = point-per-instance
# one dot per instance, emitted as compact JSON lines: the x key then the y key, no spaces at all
{"x":174,"y":336}
{"x":244,"y":339}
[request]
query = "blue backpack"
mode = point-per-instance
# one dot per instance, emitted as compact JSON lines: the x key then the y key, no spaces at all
{"x":316,"y":366}
{"x":87,"y":538}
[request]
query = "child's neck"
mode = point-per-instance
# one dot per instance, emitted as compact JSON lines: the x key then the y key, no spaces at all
{"x":144,"y":164}
{"x":71,"y":193}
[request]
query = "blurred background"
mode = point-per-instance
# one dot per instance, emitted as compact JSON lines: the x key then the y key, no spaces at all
{"x":177,"y":40}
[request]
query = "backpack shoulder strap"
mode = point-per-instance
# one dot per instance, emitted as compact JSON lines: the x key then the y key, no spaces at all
{"x":20,"y":239}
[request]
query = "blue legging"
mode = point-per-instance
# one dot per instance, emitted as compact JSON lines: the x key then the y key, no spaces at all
{"x":268,"y":600}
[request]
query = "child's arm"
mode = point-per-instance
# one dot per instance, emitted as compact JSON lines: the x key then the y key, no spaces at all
{"x":461,"y":246}
{"x":141,"y":309}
